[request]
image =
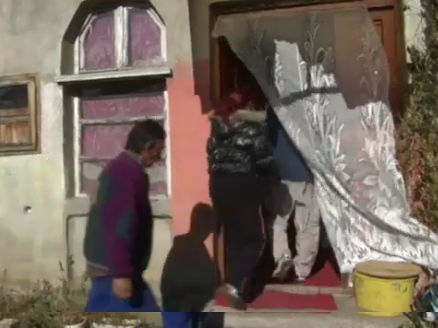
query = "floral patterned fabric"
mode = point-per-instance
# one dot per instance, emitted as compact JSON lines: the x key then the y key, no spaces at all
{"x":325,"y":73}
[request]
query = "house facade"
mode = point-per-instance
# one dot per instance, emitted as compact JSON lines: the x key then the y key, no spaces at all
{"x":74,"y":76}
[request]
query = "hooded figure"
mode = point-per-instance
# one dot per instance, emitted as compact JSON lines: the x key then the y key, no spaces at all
{"x":241,"y":164}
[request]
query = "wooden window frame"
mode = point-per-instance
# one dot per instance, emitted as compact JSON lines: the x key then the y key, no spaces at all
{"x":33,"y":115}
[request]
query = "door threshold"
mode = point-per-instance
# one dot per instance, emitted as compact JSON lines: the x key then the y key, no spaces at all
{"x":310,"y":290}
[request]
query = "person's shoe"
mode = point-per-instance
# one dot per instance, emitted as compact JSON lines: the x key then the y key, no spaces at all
{"x":298,"y":280}
{"x":283,"y":268}
{"x":209,"y":306}
{"x":236,"y":301}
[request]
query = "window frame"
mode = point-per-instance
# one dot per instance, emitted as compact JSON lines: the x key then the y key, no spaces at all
{"x":121,"y":28}
{"x":33,"y":87}
{"x":123,"y":72}
{"x":77,"y":142}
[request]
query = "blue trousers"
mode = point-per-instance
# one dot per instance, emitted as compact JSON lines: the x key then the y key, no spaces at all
{"x":102,"y":299}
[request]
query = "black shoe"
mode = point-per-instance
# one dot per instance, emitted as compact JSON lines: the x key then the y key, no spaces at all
{"x":236,"y":300}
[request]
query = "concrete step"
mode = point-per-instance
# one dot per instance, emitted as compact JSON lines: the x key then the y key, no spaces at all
{"x":347,"y":316}
{"x":309,"y":320}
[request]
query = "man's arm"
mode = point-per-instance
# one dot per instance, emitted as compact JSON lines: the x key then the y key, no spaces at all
{"x":118,"y":217}
{"x":262,"y":153}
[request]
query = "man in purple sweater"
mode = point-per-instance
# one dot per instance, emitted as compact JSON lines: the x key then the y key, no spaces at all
{"x":118,"y":237}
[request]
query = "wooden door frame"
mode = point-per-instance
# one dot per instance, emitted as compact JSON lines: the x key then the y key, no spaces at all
{"x":224,"y":8}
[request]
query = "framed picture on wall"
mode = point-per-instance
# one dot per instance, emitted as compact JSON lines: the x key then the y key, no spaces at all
{"x":19,"y":115}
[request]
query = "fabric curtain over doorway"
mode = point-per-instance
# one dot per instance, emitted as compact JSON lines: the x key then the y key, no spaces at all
{"x":324,"y":71}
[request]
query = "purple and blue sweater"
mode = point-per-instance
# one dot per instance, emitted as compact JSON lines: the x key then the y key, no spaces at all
{"x":118,"y":236}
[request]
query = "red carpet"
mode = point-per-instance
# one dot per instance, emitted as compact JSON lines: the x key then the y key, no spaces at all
{"x":326,"y":275}
{"x":325,"y":271}
{"x":282,"y":300}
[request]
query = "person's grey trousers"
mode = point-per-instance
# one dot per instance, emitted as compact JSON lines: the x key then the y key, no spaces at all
{"x":299,"y":198}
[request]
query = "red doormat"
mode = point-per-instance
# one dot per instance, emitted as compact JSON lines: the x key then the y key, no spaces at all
{"x":270,"y":299}
{"x":324,"y":274}
{"x":327,"y":276}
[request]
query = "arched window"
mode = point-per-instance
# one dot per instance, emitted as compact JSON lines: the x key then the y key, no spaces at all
{"x":117,"y":77}
{"x":120,"y":38}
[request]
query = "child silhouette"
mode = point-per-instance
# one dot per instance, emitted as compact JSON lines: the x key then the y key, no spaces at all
{"x":190,"y":278}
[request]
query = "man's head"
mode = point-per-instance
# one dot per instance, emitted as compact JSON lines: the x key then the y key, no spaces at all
{"x":146,"y":139}
{"x":203,"y":221}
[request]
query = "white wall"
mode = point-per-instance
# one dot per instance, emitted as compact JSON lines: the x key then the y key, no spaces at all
{"x":413,"y":23}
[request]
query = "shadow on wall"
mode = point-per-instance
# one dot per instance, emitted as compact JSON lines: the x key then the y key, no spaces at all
{"x":190,"y":277}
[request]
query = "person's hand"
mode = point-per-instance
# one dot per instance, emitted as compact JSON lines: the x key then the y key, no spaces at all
{"x":122,"y":288}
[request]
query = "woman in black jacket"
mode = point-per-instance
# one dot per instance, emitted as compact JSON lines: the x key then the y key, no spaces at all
{"x":240,"y":166}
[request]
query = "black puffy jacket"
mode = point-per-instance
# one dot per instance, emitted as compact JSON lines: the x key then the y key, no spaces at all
{"x":241,"y":145}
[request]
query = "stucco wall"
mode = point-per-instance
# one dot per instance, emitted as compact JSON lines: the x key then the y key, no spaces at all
{"x":413,"y":23}
{"x":32,"y":244}
{"x":31,"y":32}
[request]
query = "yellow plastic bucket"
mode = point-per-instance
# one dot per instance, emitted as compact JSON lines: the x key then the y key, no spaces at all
{"x":385,"y":289}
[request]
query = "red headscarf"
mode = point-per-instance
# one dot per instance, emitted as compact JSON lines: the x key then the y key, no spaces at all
{"x":235,"y":101}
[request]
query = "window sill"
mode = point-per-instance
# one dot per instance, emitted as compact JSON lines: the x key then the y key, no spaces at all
{"x":79,"y":206}
{"x":113,"y":75}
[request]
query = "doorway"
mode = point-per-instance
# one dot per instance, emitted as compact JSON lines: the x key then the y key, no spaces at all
{"x":228,"y":72}
{"x":232,"y":75}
